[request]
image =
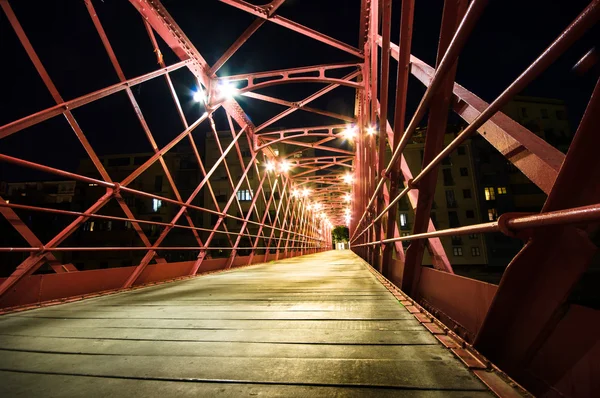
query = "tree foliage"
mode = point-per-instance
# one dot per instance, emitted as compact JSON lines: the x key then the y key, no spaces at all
{"x":340,"y":234}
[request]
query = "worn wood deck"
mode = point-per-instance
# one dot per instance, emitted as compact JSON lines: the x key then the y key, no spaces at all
{"x":317,"y":325}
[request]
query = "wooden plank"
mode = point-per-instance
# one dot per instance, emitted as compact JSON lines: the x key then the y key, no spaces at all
{"x":322,"y":324}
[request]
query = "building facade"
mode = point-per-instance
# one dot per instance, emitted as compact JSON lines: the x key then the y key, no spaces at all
{"x":456,"y":200}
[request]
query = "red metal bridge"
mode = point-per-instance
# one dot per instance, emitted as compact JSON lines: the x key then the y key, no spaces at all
{"x":192,"y":314}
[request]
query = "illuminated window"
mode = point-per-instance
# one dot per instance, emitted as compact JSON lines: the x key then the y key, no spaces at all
{"x":91,"y":226}
{"x":501,"y":190}
{"x":156,"y":204}
{"x":490,"y":193}
{"x":403,"y":220}
{"x":244,"y":195}
{"x":472,"y":236}
{"x":492,"y":214}
{"x":475,"y":251}
{"x":92,"y":185}
{"x":457,"y":251}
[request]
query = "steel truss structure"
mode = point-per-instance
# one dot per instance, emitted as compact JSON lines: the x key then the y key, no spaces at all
{"x":302,"y":197}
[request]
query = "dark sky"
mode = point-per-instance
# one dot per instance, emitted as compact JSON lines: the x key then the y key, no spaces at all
{"x":509,"y":36}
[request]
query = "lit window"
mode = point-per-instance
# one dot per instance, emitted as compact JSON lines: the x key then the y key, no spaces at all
{"x":244,"y":195}
{"x":472,"y":236}
{"x":403,"y":220}
{"x":156,"y":204}
{"x":475,"y":251}
{"x":492,"y":214}
{"x":501,"y":190}
{"x":91,"y":226}
{"x":93,"y":185}
{"x":490,"y":193}
{"x":457,"y":251}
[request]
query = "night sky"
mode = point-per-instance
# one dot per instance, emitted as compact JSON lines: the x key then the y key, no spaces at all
{"x":509,"y":36}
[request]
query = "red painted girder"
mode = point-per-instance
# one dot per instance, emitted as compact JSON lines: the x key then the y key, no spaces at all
{"x":146,"y":260}
{"x":26,"y":233}
{"x":305,"y":101}
{"x":289,"y":72}
{"x":537,"y":159}
{"x":289,"y":104}
{"x":161,"y":21}
{"x":326,"y":80}
{"x":255,"y":197}
{"x":539,"y":280}
{"x":394,"y":135}
{"x":261,"y":12}
{"x":59,"y":109}
{"x":311,"y":145}
{"x":439,"y":258}
{"x":250,"y":30}
{"x":474,"y":11}
{"x":305,"y":130}
{"x":434,"y":142}
{"x":572,"y":33}
{"x":144,"y":125}
{"x":68,"y":115}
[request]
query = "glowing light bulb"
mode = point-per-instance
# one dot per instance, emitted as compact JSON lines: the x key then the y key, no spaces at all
{"x":270,"y":166}
{"x":349,"y":133}
{"x":284,"y":166}
{"x":347,"y":197}
{"x":305,"y":192}
{"x":199,"y":95}
{"x":371,"y":130}
{"x":226,"y":90}
{"x":348,"y":178}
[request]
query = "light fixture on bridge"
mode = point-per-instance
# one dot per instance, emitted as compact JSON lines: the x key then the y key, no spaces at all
{"x":284,"y":166}
{"x":371,"y":130}
{"x":348,"y":178}
{"x":226,"y":90}
{"x":347,"y":198}
{"x":305,"y":192}
{"x":317,"y":206}
{"x":295,"y":193}
{"x":270,"y":166}
{"x":349,"y":133}
{"x":199,"y":95}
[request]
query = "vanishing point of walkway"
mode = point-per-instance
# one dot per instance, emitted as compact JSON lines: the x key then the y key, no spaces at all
{"x":317,"y":325}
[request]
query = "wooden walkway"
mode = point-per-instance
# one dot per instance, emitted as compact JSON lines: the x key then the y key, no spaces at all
{"x":318,"y":326}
